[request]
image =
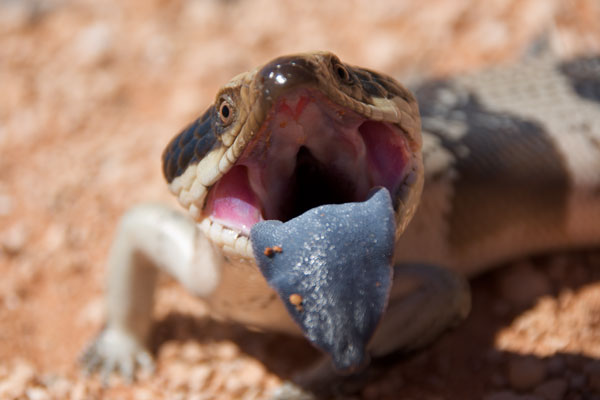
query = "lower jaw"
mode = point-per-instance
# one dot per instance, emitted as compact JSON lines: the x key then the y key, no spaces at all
{"x":236,"y":243}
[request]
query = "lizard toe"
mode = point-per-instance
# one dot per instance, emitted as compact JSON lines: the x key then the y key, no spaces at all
{"x":116,"y":351}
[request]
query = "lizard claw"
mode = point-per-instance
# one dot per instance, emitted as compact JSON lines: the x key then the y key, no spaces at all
{"x":116,"y":351}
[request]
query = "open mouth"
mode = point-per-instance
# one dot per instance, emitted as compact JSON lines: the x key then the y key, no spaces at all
{"x":309,"y":152}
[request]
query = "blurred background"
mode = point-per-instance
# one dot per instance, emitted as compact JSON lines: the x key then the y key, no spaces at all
{"x":91,"y":92}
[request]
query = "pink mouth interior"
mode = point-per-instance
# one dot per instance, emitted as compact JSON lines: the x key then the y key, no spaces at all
{"x":233,"y":203}
{"x":310,"y":152}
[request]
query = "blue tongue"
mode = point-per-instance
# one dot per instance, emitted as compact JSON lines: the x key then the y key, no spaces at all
{"x":332,"y":268}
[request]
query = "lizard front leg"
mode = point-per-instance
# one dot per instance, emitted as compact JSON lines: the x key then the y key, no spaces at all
{"x":150,"y":237}
{"x":425,"y":301}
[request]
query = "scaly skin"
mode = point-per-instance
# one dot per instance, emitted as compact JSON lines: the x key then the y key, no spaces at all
{"x":512,"y":161}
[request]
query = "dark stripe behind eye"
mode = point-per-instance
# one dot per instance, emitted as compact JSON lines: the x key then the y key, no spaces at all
{"x":190,"y":146}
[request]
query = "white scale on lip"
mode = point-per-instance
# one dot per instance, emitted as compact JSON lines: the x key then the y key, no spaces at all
{"x":230,"y":241}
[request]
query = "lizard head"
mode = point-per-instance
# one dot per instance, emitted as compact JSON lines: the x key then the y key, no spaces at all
{"x":299,"y":132}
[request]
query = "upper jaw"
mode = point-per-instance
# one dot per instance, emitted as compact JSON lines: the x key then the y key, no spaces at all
{"x":261,"y":88}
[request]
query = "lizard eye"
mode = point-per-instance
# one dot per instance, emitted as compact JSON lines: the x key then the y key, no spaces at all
{"x":342,"y":72}
{"x":226,"y":112}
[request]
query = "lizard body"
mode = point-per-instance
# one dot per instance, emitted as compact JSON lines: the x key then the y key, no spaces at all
{"x":511,"y":167}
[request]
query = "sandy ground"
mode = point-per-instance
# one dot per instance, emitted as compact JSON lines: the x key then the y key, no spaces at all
{"x":90,"y":93}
